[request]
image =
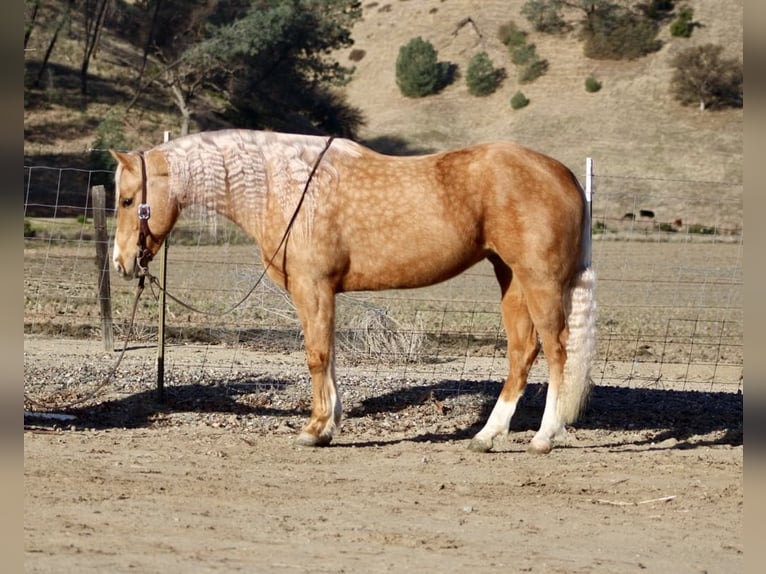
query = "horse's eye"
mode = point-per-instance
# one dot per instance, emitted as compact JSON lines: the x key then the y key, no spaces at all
{"x":127,"y":202}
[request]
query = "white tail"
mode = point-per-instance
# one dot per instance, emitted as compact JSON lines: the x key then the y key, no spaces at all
{"x":581,"y":346}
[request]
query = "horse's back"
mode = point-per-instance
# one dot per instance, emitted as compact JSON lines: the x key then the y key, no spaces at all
{"x":412,"y":221}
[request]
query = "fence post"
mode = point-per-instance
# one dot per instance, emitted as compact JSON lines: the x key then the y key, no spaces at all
{"x":163,"y":263}
{"x":102,"y":263}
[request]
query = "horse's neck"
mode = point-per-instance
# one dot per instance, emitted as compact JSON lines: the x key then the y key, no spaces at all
{"x":228,"y":180}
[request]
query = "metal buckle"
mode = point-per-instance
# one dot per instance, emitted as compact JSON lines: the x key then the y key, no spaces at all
{"x":143,"y":211}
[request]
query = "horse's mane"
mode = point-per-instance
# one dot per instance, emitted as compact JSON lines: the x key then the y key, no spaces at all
{"x":247,"y":165}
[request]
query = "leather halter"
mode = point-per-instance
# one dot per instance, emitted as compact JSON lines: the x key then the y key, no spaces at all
{"x":144,"y":213}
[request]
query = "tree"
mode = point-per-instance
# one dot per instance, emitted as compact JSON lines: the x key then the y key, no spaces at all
{"x":609,"y":29}
{"x":703,"y":76}
{"x":94,"y":12}
{"x":545,"y":15}
{"x":287,"y":75}
{"x":63,"y":21}
{"x":31,"y":9}
{"x":268,"y":63}
{"x":614,"y":32}
{"x":418,"y":70}
{"x":481,"y":77}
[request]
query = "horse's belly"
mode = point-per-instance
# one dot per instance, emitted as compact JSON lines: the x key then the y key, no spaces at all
{"x":398,"y":266}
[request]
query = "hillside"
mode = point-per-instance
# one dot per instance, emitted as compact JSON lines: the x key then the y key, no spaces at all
{"x":643,"y":143}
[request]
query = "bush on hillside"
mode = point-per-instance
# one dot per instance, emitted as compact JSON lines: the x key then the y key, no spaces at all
{"x":533,"y":70}
{"x":519,"y":100}
{"x":511,"y":35}
{"x":612,"y":32}
{"x":683,"y":25}
{"x":545,"y":15}
{"x":110,"y":134}
{"x":531,"y":66}
{"x":481,"y":77}
{"x":592,"y":84}
{"x":418,"y":70}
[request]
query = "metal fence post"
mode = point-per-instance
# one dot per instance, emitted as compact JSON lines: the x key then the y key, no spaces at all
{"x":163,"y":263}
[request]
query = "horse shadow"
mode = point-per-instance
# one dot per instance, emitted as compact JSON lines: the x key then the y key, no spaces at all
{"x":654,"y":414}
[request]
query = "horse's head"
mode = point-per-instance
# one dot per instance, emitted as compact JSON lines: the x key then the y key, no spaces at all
{"x":144,"y":209}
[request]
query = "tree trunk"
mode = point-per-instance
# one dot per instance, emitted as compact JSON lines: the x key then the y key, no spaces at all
{"x":44,"y":65}
{"x":92,"y":34}
{"x":30,"y":24}
{"x":147,"y":46}
{"x":183,"y":107}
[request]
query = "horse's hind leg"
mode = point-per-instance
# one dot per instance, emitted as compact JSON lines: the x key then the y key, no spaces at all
{"x":522,"y":351}
{"x":545,"y":301}
{"x":315,"y":303}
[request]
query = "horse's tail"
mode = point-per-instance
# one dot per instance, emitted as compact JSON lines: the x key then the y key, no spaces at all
{"x":580,"y":308}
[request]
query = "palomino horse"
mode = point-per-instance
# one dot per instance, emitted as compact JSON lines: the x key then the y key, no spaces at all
{"x":358,"y":220}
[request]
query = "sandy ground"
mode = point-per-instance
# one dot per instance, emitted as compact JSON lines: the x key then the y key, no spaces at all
{"x":211,"y":480}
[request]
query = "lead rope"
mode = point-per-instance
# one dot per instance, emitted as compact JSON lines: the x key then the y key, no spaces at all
{"x":144,"y":273}
{"x":107,"y":378}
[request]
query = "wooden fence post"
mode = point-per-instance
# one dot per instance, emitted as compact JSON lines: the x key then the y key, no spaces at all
{"x":102,"y":263}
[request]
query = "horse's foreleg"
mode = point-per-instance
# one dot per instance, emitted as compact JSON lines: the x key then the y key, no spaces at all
{"x":522,"y":351}
{"x":316,"y":309}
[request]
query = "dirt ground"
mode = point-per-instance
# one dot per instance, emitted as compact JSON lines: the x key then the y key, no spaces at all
{"x":211,"y":480}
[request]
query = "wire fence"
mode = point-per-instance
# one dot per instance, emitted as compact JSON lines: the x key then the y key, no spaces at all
{"x":668,"y":256}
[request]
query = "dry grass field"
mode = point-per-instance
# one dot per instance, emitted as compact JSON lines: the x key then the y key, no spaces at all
{"x":209,"y":478}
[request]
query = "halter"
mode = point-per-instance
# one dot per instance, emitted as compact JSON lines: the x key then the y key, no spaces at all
{"x":144,"y":212}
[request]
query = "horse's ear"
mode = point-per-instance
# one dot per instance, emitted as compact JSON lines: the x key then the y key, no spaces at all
{"x":123,"y":159}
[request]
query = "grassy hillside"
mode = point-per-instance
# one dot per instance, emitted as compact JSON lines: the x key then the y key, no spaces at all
{"x":645,"y":146}
{"x":632,"y":128}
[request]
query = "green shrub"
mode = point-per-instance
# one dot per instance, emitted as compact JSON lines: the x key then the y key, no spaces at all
{"x":683,"y":25}
{"x":481,"y":77}
{"x":524,"y":54}
{"x":613,"y":32}
{"x":545,"y":15}
{"x":518,"y":101}
{"x":418,"y":71}
{"x":592,"y":84}
{"x":599,"y":227}
{"x":511,"y":35}
{"x":29,"y":231}
{"x":533,"y":70}
{"x":109,"y":134}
